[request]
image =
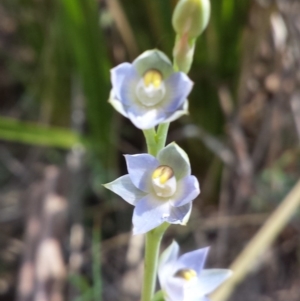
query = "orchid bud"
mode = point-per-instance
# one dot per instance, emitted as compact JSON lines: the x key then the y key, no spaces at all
{"x":183,"y":53}
{"x":191,"y":17}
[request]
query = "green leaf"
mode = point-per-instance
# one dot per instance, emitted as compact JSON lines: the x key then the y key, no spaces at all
{"x":37,"y":134}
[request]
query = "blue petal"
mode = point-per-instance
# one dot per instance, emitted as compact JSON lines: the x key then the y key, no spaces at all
{"x":171,"y":116}
{"x":140,"y":168}
{"x":170,"y":254}
{"x":127,"y":88}
{"x":210,"y":279}
{"x":174,"y":289}
{"x":125,"y":189}
{"x":118,"y":76}
{"x":145,"y":118}
{"x":178,"y":87}
{"x":180,"y":215}
{"x":193,"y":260}
{"x":165,"y":265}
{"x":148,"y":214}
{"x":187,"y":190}
{"x":118,"y":106}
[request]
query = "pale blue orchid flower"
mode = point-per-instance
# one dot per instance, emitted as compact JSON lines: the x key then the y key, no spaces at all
{"x":182,"y":278}
{"x":161,"y":189}
{"x":149,"y":91}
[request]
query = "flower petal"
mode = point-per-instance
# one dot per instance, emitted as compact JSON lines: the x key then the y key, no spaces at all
{"x":153,"y":59}
{"x":178,"y":87}
{"x":125,"y":189}
{"x":174,"y":290}
{"x":140,"y":168}
{"x":180,"y":215}
{"x":126,"y":89}
{"x":187,"y":215}
{"x":210,"y":279}
{"x":178,"y":113}
{"x":118,"y":106}
{"x":175,"y":157}
{"x":187,"y":190}
{"x":193,"y":293}
{"x":169,"y":254}
{"x":146,"y":118}
{"x":165,"y":262}
{"x":148,"y":214}
{"x":118,"y":75}
{"x":193,"y":260}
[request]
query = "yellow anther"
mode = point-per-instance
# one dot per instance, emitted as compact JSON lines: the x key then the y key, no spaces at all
{"x":186,"y":274}
{"x":153,"y":77}
{"x":164,"y":173}
{"x":157,"y":172}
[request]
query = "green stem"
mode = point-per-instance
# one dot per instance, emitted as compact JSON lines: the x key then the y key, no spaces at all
{"x":161,"y":135}
{"x":155,"y":142}
{"x":150,"y":136}
{"x":153,"y":240}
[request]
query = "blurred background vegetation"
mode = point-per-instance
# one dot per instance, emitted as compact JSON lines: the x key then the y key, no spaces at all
{"x":60,"y":140}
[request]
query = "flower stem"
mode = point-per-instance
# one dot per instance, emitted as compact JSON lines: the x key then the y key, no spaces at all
{"x":150,"y":136}
{"x":155,"y":142}
{"x":153,"y":240}
{"x":161,"y":135}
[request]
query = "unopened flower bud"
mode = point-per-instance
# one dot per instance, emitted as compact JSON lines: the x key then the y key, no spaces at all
{"x":191,"y":17}
{"x":183,"y":53}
